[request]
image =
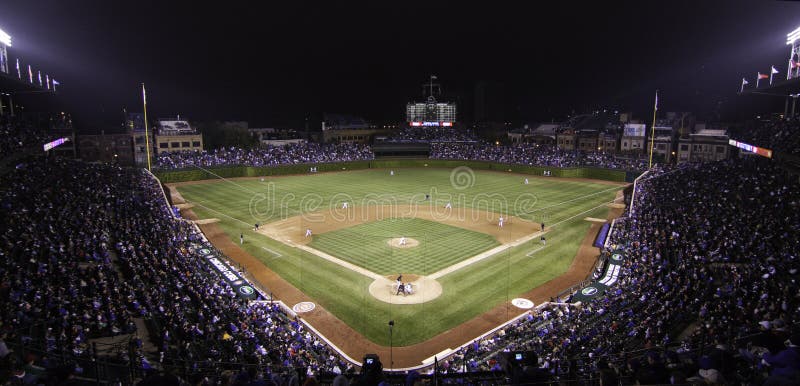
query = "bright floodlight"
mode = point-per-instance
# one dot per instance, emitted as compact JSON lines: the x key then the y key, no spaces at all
{"x":793,"y":36}
{"x":5,"y":38}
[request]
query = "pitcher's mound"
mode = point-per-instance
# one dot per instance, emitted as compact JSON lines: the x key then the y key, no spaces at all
{"x":410,"y":243}
{"x":423,"y":290}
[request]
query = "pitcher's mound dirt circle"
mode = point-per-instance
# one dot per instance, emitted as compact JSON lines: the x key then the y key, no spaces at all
{"x":410,"y":243}
{"x":424,"y":289}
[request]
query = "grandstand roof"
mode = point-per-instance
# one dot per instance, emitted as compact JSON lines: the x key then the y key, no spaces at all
{"x":711,"y":133}
{"x":546,"y":129}
{"x":782,"y":87}
{"x":12,"y":85}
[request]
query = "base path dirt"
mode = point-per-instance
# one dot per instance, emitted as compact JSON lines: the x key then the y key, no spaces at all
{"x":356,"y":345}
{"x":293,"y":230}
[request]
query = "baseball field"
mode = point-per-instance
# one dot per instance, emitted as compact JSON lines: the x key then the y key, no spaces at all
{"x":460,"y":261}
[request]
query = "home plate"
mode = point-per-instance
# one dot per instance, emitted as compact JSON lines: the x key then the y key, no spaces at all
{"x":525,"y":304}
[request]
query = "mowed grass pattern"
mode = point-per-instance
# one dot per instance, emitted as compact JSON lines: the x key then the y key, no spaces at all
{"x":367,"y":245}
{"x":561,"y":204}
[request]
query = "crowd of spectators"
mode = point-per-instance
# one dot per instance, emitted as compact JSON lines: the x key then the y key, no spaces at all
{"x":16,"y":135}
{"x":87,"y":249}
{"x":708,"y":292}
{"x":532,"y":154}
{"x":779,"y":135}
{"x":711,"y":257}
{"x":431,"y":134}
{"x":289,"y":154}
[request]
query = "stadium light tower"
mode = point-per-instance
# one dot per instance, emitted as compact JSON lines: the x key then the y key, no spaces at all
{"x":5,"y":38}
{"x":5,"y":42}
{"x":793,"y":39}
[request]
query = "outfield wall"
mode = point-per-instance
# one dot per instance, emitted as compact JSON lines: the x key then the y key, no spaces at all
{"x":194,"y":174}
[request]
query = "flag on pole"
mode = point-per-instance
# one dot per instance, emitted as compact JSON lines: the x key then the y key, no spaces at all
{"x":30,"y":73}
{"x":40,"y":77}
{"x":55,"y":83}
{"x":47,"y":80}
{"x":759,"y":77}
{"x":744,"y":82}
{"x":19,"y":74}
{"x":773,"y":72}
{"x":656,"y":105}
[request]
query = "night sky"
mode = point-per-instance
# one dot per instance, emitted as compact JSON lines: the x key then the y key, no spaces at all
{"x":273,"y":63}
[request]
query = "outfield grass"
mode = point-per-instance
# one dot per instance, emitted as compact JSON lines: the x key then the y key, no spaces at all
{"x":440,"y":245}
{"x":466,"y":292}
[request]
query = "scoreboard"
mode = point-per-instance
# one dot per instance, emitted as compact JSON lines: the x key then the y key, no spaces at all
{"x":431,"y":112}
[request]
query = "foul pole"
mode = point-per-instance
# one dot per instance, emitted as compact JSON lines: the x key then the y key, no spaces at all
{"x":146,"y":133}
{"x":653,"y":131}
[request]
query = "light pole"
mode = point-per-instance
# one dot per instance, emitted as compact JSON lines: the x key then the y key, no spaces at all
{"x":391,"y":357}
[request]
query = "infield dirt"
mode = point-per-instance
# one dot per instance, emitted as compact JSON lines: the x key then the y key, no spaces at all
{"x":292,"y":230}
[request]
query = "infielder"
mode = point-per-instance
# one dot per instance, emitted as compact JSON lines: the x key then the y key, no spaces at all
{"x":448,"y":206}
{"x":308,"y":232}
{"x":344,"y":205}
{"x":500,"y":222}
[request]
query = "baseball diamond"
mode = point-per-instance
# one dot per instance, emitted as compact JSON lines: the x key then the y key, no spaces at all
{"x":349,"y":249}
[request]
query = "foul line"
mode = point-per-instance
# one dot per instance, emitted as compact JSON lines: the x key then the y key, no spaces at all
{"x":517,"y":242}
{"x":228,"y":216}
{"x":225,"y":179}
{"x":341,"y":262}
{"x":534,"y":251}
{"x":271,"y":251}
{"x":574,"y":199}
{"x":484,"y":255}
{"x":440,"y":273}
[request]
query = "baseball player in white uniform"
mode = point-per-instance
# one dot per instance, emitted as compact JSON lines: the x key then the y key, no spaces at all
{"x":402,"y":241}
{"x":344,"y":205}
{"x":308,"y":232}
{"x":526,"y":181}
{"x":500,"y":222}
{"x":448,"y":206}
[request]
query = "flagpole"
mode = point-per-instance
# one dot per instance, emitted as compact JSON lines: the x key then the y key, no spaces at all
{"x":146,"y":134}
{"x":758,"y":79}
{"x":653,"y":131}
